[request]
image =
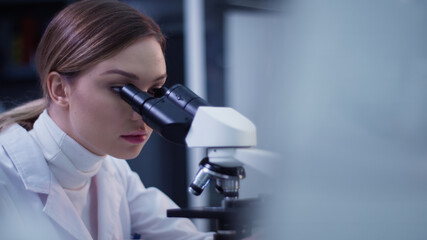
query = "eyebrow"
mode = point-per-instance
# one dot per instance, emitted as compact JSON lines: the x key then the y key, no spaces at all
{"x":131,"y":75}
{"x":120,"y":72}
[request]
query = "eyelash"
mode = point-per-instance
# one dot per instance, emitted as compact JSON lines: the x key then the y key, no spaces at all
{"x":116,"y":89}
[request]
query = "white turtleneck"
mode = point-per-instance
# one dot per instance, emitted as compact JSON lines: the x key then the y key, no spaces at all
{"x":73,"y":166}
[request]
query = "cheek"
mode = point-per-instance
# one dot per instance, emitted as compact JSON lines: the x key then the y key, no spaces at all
{"x":96,"y":119}
{"x":97,"y":104}
{"x":93,"y":110}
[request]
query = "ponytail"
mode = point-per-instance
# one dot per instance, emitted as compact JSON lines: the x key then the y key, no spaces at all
{"x":25,"y":115}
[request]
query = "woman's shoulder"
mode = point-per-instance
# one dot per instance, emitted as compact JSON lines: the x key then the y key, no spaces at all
{"x":16,"y":137}
{"x":12,"y":129}
{"x":21,"y":156}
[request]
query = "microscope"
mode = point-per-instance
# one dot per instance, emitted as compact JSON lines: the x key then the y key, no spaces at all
{"x":182,"y":117}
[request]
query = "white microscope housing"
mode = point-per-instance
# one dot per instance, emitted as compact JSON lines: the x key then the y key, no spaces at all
{"x":182,"y":117}
{"x":222,"y":131}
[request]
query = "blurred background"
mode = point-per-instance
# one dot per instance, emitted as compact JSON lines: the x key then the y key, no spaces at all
{"x":337,"y":88}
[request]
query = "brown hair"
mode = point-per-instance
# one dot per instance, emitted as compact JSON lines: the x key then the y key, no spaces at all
{"x":79,"y":37}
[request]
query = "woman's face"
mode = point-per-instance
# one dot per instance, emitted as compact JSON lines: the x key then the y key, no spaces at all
{"x":98,"y":118}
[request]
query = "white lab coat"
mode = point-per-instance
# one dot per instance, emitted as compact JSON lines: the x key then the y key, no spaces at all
{"x":34,"y":206}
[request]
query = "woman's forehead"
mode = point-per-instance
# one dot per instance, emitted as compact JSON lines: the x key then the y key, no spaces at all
{"x":140,"y":59}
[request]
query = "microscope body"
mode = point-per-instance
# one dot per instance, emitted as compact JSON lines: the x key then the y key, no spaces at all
{"x":182,"y":117}
{"x":221,"y":131}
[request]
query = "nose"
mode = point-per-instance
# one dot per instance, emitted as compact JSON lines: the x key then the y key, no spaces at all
{"x":136,"y":116}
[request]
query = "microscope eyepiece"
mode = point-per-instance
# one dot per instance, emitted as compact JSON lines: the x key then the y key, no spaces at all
{"x":135,"y":97}
{"x":158,"y":112}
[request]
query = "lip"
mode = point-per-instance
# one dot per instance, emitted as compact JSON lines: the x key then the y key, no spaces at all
{"x":135,"y":137}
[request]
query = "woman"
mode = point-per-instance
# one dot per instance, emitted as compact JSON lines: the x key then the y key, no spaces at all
{"x":61,"y":173}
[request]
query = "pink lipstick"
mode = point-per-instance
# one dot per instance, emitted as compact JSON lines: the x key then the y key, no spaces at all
{"x":136,"y":137}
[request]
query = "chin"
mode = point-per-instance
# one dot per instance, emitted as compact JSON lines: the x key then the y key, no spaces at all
{"x":126,"y":152}
{"x":126,"y":155}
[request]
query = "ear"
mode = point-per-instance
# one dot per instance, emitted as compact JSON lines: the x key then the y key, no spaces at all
{"x":57,"y":88}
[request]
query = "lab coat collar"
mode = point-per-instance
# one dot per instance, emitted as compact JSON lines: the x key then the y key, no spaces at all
{"x":107,"y":186}
{"x":59,"y":207}
{"x":29,"y":162}
{"x":37,"y":177}
{"x":108,"y":209}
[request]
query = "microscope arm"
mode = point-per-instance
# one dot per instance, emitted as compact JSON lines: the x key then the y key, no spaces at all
{"x":181,"y":116}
